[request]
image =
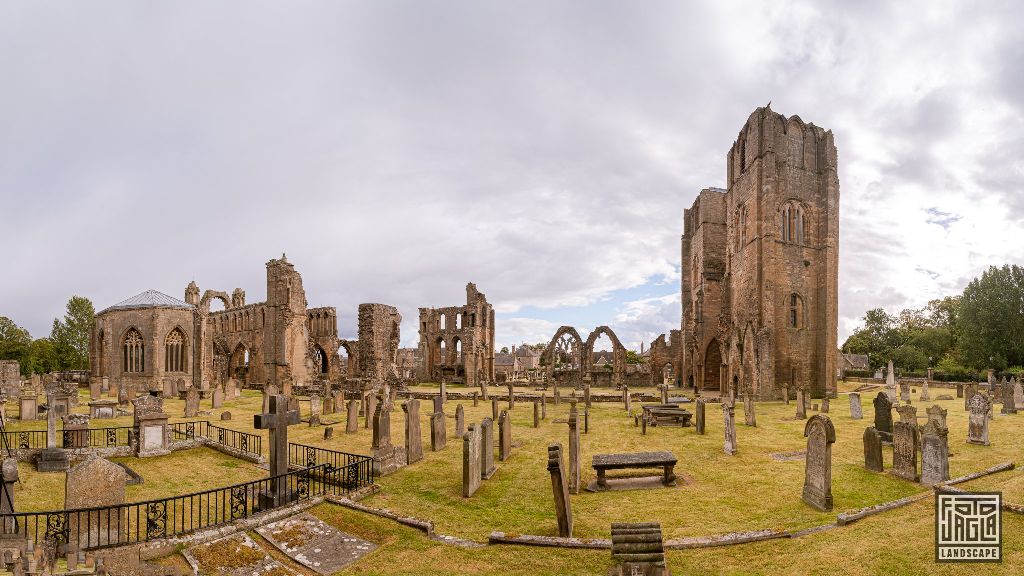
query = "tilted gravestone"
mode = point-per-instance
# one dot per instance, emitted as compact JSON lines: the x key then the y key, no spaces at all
{"x":978,"y":407}
{"x":873,"y":450}
{"x":471,"y":461}
{"x":904,"y":451}
{"x":729,"y":415}
{"x":749,"y":418}
{"x":883,"y":416}
{"x":560,"y":489}
{"x":637,"y":550}
{"x":460,"y":421}
{"x":574,"y":449}
{"x":820,"y":436}
{"x":801,"y":405}
{"x":487,"y":467}
{"x":504,"y":436}
{"x":856,"y":412}
{"x":934,"y":454}
{"x":352,"y":416}
{"x":413,"y":436}
{"x":95,"y":483}
{"x":699,"y":415}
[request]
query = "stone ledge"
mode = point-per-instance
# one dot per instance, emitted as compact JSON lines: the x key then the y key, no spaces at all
{"x":549,"y":541}
{"x":729,"y":539}
{"x":425,"y":526}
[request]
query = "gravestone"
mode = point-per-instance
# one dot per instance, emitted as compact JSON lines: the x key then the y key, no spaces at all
{"x":444,"y":391}
{"x":699,"y":415}
{"x":908,"y":414}
{"x":785,"y":394}
{"x":294,"y":406}
{"x":487,"y":467}
{"x":560,"y":489}
{"x":637,"y":550}
{"x":856,"y":412}
{"x":192,"y":402}
{"x":329,"y":433}
{"x":438,"y":432}
{"x":52,"y":459}
{"x":150,"y":424}
{"x":460,"y":421}
{"x":95,"y":483}
{"x":1018,"y":394}
{"x":170,"y":389}
{"x":820,"y":436}
{"x":873,"y":450}
{"x":328,"y":405}
{"x":977,"y":420}
{"x":504,"y":436}
{"x":268,"y":391}
{"x":28,"y":405}
{"x":471,"y":475}
{"x":494,"y":408}
{"x":586,"y":395}
{"x":339,"y":401}
{"x":890,"y":383}
{"x":104,"y":408}
{"x":225,"y":416}
{"x":574,"y":449}
{"x":316,"y":406}
{"x":231,"y":389}
{"x":627,"y":400}
{"x":664,"y":393}
{"x":904,"y":451}
{"x":801,"y":405}
{"x":938,"y":415}
{"x":76,"y":431}
{"x":386,"y":457}
{"x":511,"y":396}
{"x":749,"y":417}
{"x":277,"y":420}
{"x":825,"y":405}
{"x":413,"y":437}
{"x":536,"y":414}
{"x":925,"y":395}
{"x":543,"y":406}
{"x":352,"y":416}
{"x":728,"y":412}
{"x":371,"y":409}
{"x":1009,"y":402}
{"x":959,"y":390}
{"x":883,"y":416}
{"x":904,"y":391}
{"x":934,"y":454}
{"x":218,"y":397}
{"x":969,"y":393}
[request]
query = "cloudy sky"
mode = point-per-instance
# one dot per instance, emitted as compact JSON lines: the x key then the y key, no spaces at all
{"x":544,"y":150}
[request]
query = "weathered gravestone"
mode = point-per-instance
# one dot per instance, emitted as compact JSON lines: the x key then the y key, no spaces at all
{"x":150,"y":426}
{"x":268,"y":391}
{"x":95,"y":483}
{"x":438,"y":428}
{"x":352,"y":416}
{"x":1009,"y":402}
{"x":959,"y":390}
{"x":938,"y":415}
{"x":231,"y":389}
{"x":52,"y":459}
{"x":371,"y":409}
{"x":699,"y":415}
{"x":218,"y":397}
{"x":504,"y":436}
{"x":818,"y":464}
{"x":316,"y":406}
{"x":192,"y":402}
{"x":925,"y":396}
{"x":908,"y":414}
{"x":977,"y":420}
{"x":890,"y":383}
{"x":386,"y":457}
{"x":460,"y":421}
{"x":934,"y":454}
{"x":801,"y":405}
{"x":904,"y":391}
{"x":1018,"y":394}
{"x":170,"y":389}
{"x":560,"y":489}
{"x":494,"y":408}
{"x":785,"y":394}
{"x":883,"y":416}
{"x":329,"y":433}
{"x":413,"y":437}
{"x":825,"y":405}
{"x":28,"y":405}
{"x":225,"y":416}
{"x":487,"y":467}
{"x":749,"y":418}
{"x":536,"y":414}
{"x":856,"y":412}
{"x":511,"y":396}
{"x":729,"y":415}
{"x":543,"y":407}
{"x":904,"y":451}
{"x":574,"y":449}
{"x":637,"y":550}
{"x":471,"y":461}
{"x":873,"y":450}
{"x":76,"y":431}
{"x":969,"y":391}
{"x":625,"y":398}
{"x":276,"y":420}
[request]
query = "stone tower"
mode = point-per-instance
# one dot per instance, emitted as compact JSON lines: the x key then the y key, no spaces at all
{"x":285,"y":334}
{"x":760,"y":264}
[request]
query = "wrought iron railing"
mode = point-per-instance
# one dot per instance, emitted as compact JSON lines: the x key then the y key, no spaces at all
{"x":84,"y":438}
{"x":101,"y":527}
{"x":242,"y":441}
{"x":359,"y":468}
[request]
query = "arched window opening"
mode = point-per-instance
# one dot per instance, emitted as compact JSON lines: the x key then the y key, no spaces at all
{"x":444,"y":356}
{"x":443,"y":322}
{"x":174,"y":351}
{"x":458,"y":321}
{"x":134,"y":352}
{"x":796,"y":311}
{"x":458,"y":350}
{"x":793,"y":223}
{"x":320,"y":360}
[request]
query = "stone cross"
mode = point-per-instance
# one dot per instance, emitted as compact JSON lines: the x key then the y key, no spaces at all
{"x":883,"y":416}
{"x":413,"y":437}
{"x":699,"y":416}
{"x":934,"y":453}
{"x":729,"y":414}
{"x":856,"y":412}
{"x":749,"y":418}
{"x":818,"y":463}
{"x":872,"y":450}
{"x":471,"y":461}
{"x":977,"y":421}
{"x":559,"y":486}
{"x":277,"y":420}
{"x":904,"y":451}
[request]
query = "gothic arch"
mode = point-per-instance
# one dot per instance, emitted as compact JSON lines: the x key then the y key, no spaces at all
{"x":204,"y":304}
{"x":618,"y":354}
{"x":712,"y":377}
{"x":549,"y":352}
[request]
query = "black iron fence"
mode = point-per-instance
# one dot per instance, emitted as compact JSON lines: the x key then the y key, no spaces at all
{"x":84,"y":438}
{"x":101,"y":527}
{"x":358,"y":468}
{"x":242,"y":441}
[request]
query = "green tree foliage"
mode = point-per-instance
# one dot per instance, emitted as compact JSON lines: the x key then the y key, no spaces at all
{"x":15,"y":343}
{"x":42,"y":359}
{"x":70,"y":336}
{"x":991,"y":319}
{"x":504,"y":350}
{"x":632,"y":357}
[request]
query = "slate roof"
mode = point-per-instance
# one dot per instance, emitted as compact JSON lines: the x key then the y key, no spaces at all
{"x":149,"y":299}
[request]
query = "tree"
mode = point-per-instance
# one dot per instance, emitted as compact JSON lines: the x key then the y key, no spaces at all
{"x":42,"y":358}
{"x":504,"y":350}
{"x":70,"y":336}
{"x":633,"y":358}
{"x":878,"y":338}
{"x":15,"y":343}
{"x":991,"y":319}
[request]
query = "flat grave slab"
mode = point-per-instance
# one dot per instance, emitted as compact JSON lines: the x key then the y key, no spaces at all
{"x":235,"y":555}
{"x":315,"y":544}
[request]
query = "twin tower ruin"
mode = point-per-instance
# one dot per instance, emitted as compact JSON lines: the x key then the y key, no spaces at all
{"x":760,"y":264}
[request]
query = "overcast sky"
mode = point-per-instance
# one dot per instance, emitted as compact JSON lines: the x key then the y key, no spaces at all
{"x":543,"y":150}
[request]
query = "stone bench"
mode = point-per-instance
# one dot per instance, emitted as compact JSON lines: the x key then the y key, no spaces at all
{"x":666,"y":415}
{"x":665,"y":460}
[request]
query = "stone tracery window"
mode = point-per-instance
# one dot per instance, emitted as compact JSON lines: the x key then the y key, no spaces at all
{"x":134,"y":351}
{"x":174,"y":351}
{"x":793,"y":222}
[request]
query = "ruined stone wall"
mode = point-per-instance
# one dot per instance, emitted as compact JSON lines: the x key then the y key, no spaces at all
{"x":703,"y":266}
{"x":285,"y":336}
{"x":666,"y":357}
{"x":377,"y":348}
{"x":322,"y":323}
{"x":467,"y":334}
{"x":229,"y":334}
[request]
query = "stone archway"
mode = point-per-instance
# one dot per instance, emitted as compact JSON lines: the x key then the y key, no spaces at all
{"x":618,"y":354}
{"x":713,"y":366}
{"x":565,"y":349}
